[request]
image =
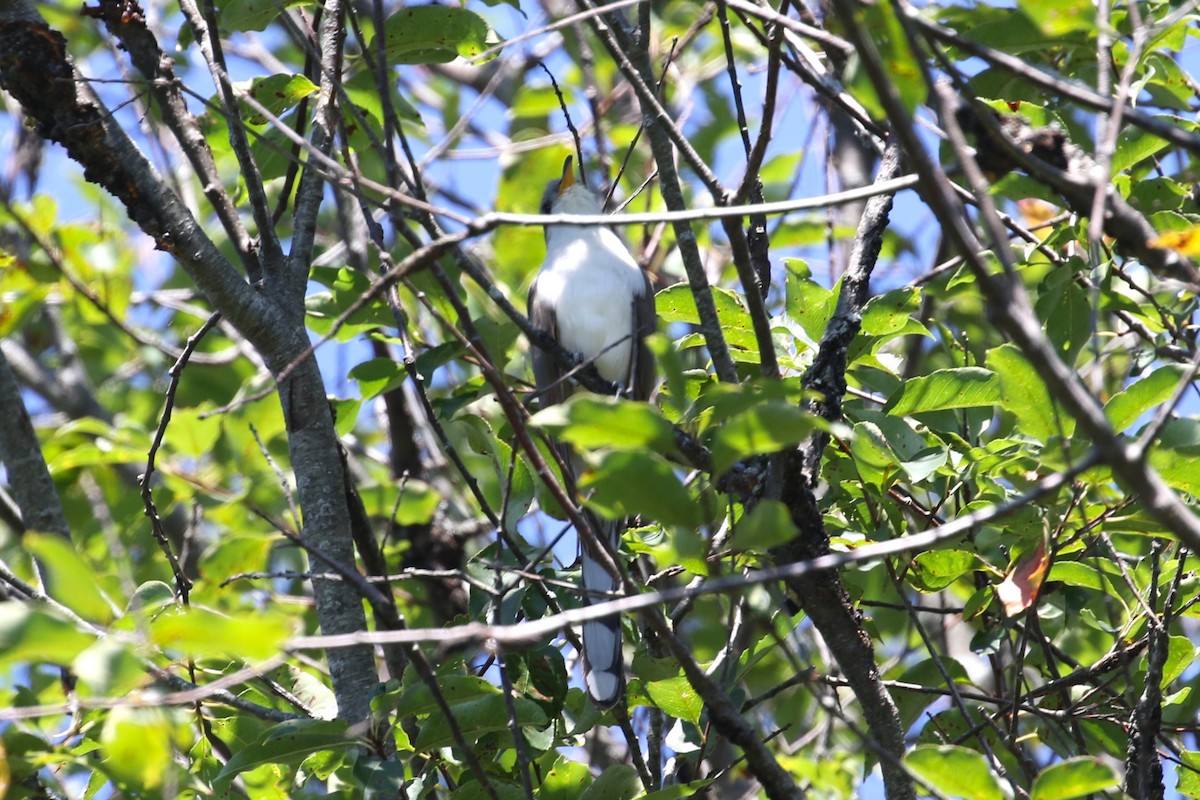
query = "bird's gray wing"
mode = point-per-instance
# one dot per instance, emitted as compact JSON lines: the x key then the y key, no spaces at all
{"x":645,"y":322}
{"x":547,"y":372}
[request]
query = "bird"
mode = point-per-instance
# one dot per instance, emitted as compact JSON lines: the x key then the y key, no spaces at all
{"x":591,"y":297}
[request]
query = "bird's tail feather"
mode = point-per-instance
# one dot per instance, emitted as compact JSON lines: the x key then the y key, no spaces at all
{"x":603,"y":661}
{"x":603,"y":667}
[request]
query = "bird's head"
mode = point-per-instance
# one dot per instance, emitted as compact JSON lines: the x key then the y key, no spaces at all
{"x":566,"y":196}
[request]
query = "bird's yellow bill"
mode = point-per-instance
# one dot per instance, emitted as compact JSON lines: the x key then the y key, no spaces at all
{"x":568,"y":176}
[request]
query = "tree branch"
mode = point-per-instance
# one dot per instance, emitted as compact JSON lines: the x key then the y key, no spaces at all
{"x":32,"y":487}
{"x":822,"y":596}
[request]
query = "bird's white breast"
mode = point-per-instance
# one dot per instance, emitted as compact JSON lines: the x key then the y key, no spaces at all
{"x":591,"y":281}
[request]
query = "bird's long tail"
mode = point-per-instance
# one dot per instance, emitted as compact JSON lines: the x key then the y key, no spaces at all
{"x":603,"y":667}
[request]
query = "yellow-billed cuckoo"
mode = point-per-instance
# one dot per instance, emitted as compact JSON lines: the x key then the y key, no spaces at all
{"x":594,"y":299}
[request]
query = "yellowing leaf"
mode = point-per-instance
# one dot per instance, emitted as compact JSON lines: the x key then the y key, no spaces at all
{"x":1185,"y":242}
{"x":1035,"y":214}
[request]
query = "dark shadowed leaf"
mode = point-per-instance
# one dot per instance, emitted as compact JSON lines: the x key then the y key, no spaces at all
{"x":764,"y":428}
{"x":625,"y":484}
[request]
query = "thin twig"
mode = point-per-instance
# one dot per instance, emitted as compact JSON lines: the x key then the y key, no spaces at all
{"x":183,"y":584}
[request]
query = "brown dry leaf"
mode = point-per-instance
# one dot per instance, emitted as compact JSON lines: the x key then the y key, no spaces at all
{"x":1018,"y":591}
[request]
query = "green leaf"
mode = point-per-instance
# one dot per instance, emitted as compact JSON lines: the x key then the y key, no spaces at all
{"x":676,"y":389}
{"x":626,"y":484}
{"x":934,"y":570}
{"x":150,"y":597}
{"x":1167,"y":83}
{"x":1016,"y":33}
{"x":1124,"y":409}
{"x":1181,"y":433}
{"x":68,"y":578}
{"x":322,"y":308}
{"x":677,"y":304}
{"x":418,"y":502}
{"x":677,"y":698}
{"x":277,"y":94}
{"x":898,"y":60}
{"x":564,"y":780}
{"x":808,"y":303}
{"x":680,"y":791}
{"x":138,"y":744}
{"x":376,"y":376}
{"x":1075,"y":777}
{"x":272,"y":151}
{"x":978,"y":602}
{"x":1025,"y":395}
{"x":1067,"y":314}
{"x":592,"y":422}
{"x":475,"y":719}
{"x":347,"y":286}
{"x":1180,"y":655}
{"x":918,"y":455}
{"x":891,"y":313}
{"x":618,"y":782}
{"x":961,"y":387}
{"x":681,"y":546}
{"x":191,"y":434}
{"x":253,"y":15}
{"x":1157,"y":194}
{"x":201,"y":633}
{"x":35,"y":635}
{"x":1133,"y":145}
{"x":767,"y":525}
{"x":716,"y":402}
{"x":418,"y":699}
{"x":345,"y":414}
{"x":434,"y":35}
{"x":1189,"y":774}
{"x":955,"y":771}
{"x":287,"y":743}
{"x":1062,"y":16}
{"x":108,"y":668}
{"x":764,"y":428}
{"x":380,"y":778}
{"x":363,"y":92}
{"x":518,"y":495}
{"x":103,"y":452}
{"x":472,"y":790}
{"x":1180,"y":468}
{"x":873,"y":459}
{"x":1074,"y":573}
{"x":778,"y":175}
